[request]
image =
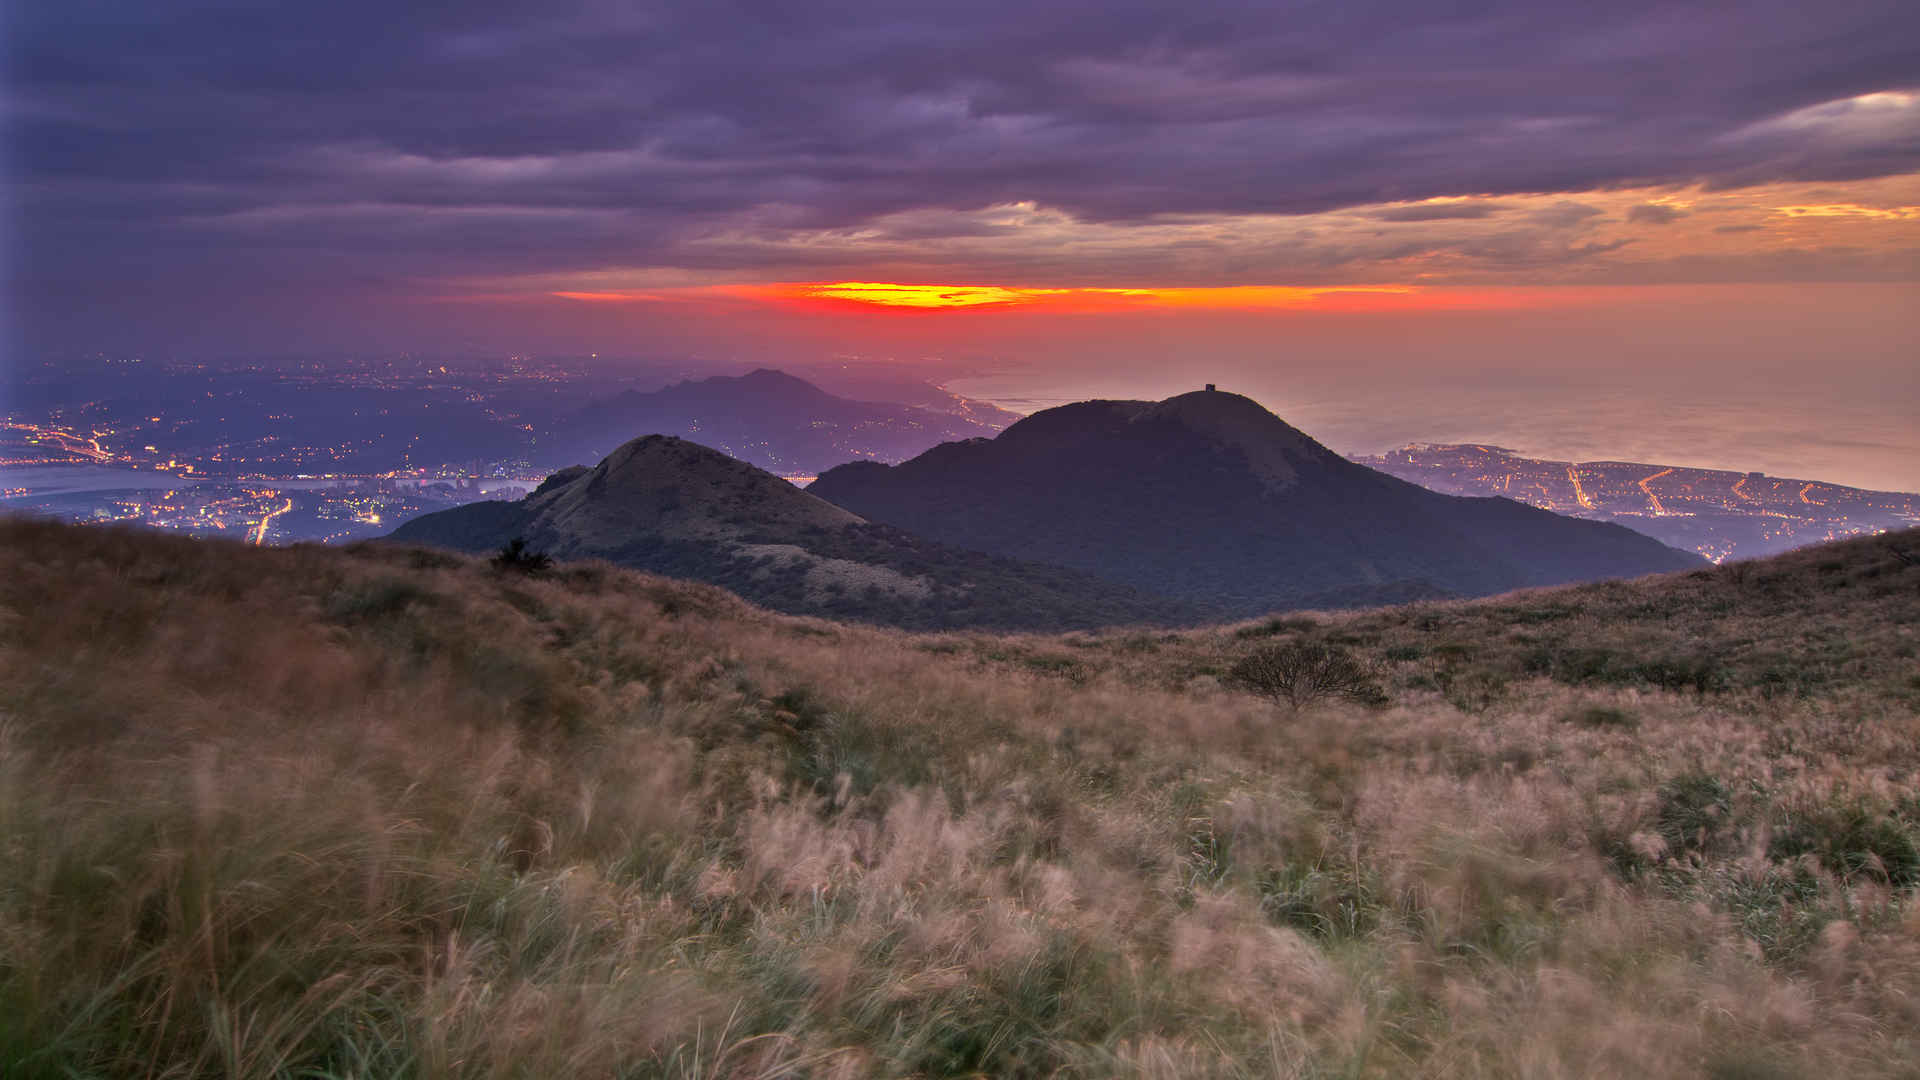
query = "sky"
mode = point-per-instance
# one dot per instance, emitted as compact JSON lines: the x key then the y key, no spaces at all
{"x":1680,"y":231}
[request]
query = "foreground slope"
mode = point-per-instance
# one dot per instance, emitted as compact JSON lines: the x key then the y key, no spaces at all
{"x":671,"y":506}
{"x":382,"y":812}
{"x":1210,"y":498}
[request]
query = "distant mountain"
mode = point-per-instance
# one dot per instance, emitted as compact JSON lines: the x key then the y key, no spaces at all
{"x":880,"y":381}
{"x":674,"y":507}
{"x":770,"y":419}
{"x":1210,"y":498}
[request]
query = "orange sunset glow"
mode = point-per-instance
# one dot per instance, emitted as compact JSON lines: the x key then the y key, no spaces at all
{"x":887,"y":296}
{"x":892,"y":294}
{"x":1095,"y":300}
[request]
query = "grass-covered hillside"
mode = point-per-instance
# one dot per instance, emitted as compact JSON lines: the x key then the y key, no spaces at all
{"x":382,"y":812}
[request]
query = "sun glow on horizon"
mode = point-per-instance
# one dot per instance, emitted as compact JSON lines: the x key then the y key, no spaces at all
{"x":910,"y":296}
{"x":896,"y":294}
{"x":925,"y":297}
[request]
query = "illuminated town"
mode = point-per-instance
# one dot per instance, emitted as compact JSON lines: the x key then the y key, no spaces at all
{"x":325,"y":452}
{"x":1718,"y":513}
{"x":61,"y":473}
{"x":320,"y":453}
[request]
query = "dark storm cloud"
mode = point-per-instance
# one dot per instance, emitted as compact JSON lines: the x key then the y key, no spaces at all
{"x":491,"y":137}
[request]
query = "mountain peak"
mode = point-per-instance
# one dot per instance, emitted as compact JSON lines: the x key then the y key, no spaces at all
{"x":1073,"y":422}
{"x":770,"y":382}
{"x":767,"y":376}
{"x":1274,"y":450}
{"x":1273,"y":447}
{"x":675,"y":486}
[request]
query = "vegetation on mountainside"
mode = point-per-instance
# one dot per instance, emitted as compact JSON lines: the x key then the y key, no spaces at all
{"x":1302,"y":671}
{"x":387,"y":812}
{"x":516,"y":557}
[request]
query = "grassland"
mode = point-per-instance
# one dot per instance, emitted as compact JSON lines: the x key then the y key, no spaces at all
{"x":380,"y":812}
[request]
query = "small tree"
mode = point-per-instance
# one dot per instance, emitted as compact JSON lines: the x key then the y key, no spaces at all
{"x":516,"y":557}
{"x":1298,"y":672}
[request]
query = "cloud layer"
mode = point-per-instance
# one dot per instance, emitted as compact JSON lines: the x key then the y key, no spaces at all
{"x":357,"y":147}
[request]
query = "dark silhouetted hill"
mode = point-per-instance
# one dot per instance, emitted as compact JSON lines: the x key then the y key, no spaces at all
{"x":1210,"y":498}
{"x":674,"y":507}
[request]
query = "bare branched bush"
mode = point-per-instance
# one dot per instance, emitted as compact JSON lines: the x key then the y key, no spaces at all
{"x":1299,"y":672}
{"x":517,"y":557}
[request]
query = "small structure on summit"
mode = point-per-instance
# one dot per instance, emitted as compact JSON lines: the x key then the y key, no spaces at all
{"x":1209,"y":386}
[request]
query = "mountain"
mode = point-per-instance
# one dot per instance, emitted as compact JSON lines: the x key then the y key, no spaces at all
{"x":770,"y":419}
{"x":675,"y":507}
{"x":881,"y":381}
{"x":1211,"y":498}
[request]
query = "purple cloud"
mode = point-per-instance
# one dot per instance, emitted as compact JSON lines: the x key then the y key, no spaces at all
{"x":321,"y":145}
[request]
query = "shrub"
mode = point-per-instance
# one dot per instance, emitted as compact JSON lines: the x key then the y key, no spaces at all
{"x":1470,"y":691}
{"x":1279,"y":624}
{"x":1299,"y":672}
{"x":1578,"y":666}
{"x":517,"y":558}
{"x":1852,"y":840}
{"x":428,"y":559}
{"x":375,"y":599}
{"x":1334,"y":899}
{"x":1780,"y":908}
{"x":1602,"y":716}
{"x":1694,"y":812}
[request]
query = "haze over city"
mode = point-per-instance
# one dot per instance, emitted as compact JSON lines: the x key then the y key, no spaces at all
{"x":1683,"y":232}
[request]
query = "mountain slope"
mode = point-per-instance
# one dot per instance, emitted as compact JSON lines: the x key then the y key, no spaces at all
{"x":674,"y":507}
{"x":1211,"y":498}
{"x":766,"y":418}
{"x":378,"y":812}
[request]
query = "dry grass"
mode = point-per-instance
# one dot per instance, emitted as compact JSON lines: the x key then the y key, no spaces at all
{"x":381,"y":813}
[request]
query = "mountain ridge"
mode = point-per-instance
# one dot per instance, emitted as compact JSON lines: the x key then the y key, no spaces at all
{"x":1210,"y":497}
{"x":670,"y":505}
